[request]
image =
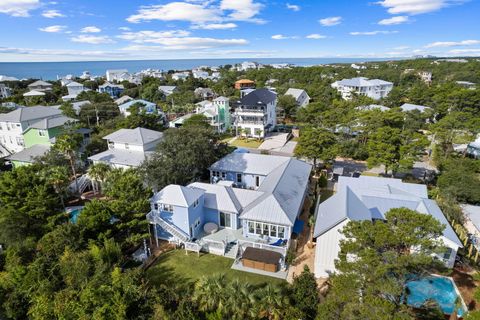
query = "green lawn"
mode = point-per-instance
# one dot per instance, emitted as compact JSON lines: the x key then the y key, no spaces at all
{"x":177,"y":267}
{"x":325,"y":194}
{"x":243,"y":143}
{"x":370,"y":174}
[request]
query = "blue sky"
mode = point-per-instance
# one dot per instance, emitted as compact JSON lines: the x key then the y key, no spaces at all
{"x":42,"y":30}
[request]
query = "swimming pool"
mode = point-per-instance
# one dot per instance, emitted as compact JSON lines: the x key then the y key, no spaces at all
{"x":440,"y":289}
{"x":74,"y":212}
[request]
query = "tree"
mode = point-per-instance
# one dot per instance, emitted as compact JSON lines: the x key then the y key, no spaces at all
{"x":183,"y":156}
{"x":316,"y":143}
{"x":68,"y":144}
{"x":270,"y":302}
{"x":288,"y":105}
{"x":375,"y":262}
{"x":197,"y":120}
{"x":459,"y":180}
{"x":58,"y":177}
{"x":305,"y":293}
{"x":98,"y":173}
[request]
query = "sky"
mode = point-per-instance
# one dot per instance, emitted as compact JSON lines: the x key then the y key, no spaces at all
{"x":86,"y":30}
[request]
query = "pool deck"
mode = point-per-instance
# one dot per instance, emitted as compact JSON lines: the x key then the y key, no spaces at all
{"x":282,"y":274}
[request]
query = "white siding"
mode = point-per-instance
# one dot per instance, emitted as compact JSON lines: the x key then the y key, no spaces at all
{"x":327,"y":249}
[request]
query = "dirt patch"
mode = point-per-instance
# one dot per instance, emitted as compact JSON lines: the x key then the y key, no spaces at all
{"x":466,"y":285}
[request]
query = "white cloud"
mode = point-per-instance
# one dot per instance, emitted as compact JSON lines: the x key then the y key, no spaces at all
{"x":330,"y":21}
{"x":371,"y":33}
{"x":52,"y":14}
{"x":53,"y":29}
{"x":282,"y":37}
{"x":413,"y":7}
{"x":315,"y":36}
{"x":181,"y":11}
{"x":465,"y":51}
{"x":241,"y":10}
{"x":124,"y":28}
{"x":393,"y":20}
{"x":83,"y":38}
{"x":91,"y":29}
{"x":200,"y":12}
{"x":177,"y":40}
{"x":215,"y":26}
{"x":293,"y":7}
{"x":18,"y":8}
{"x":401,"y":48}
{"x":452,"y":43}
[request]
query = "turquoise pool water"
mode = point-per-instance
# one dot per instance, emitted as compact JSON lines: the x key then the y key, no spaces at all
{"x":440,"y":289}
{"x":74,"y":215}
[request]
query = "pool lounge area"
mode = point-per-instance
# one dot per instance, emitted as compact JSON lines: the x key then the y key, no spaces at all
{"x":440,"y":289}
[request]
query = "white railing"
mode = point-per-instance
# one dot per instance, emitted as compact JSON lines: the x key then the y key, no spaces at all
{"x":153,"y":217}
{"x":83,"y":182}
{"x":215,"y":247}
{"x":245,"y":244}
{"x":192,"y":246}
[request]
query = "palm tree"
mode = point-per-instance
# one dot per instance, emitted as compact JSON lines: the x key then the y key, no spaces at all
{"x":209,"y":293}
{"x":68,"y":145}
{"x":239,"y":299}
{"x":98,"y":173}
{"x":270,"y":302}
{"x":58,"y":177}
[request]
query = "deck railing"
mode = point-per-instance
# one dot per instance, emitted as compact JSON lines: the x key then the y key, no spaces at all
{"x":245,"y":244}
{"x":214,"y":246}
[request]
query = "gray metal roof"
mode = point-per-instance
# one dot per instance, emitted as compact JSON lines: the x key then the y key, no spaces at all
{"x":121,"y":157}
{"x":249,"y":163}
{"x":54,"y":122}
{"x":28,"y":155}
{"x":410,"y":107}
{"x":40,"y":83}
{"x":29,"y":113}
{"x":362,"y":82}
{"x":364,"y":198}
{"x":219,"y":197}
{"x":296,"y":93}
{"x":137,"y":136}
{"x":178,"y":195}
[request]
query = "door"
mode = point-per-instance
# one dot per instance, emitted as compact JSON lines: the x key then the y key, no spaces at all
{"x":225,"y":220}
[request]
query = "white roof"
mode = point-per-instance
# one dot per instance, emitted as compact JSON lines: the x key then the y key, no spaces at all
{"x":373,"y":107}
{"x":33,"y":93}
{"x":29,"y":113}
{"x":123,"y":99}
{"x":54,"y":122}
{"x":74,"y":84}
{"x":121,"y":157}
{"x":221,"y":98}
{"x":40,"y":83}
{"x":366,"y":198}
{"x":137,"y":136}
{"x":362,"y":82}
{"x":178,"y":195}
{"x":249,"y":163}
{"x":406,"y":107}
{"x":29,"y":154}
{"x":296,"y":93}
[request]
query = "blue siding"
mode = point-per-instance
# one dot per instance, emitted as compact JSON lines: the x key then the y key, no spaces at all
{"x":211,"y":215}
{"x":179,"y":218}
{"x":193,"y":215}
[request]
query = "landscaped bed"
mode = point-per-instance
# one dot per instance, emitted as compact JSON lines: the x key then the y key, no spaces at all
{"x":178,"y":267}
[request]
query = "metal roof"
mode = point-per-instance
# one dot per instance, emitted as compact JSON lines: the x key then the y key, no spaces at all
{"x":137,"y":136}
{"x":261,"y":95}
{"x":178,"y":195}
{"x":29,"y":113}
{"x":410,"y":107}
{"x":121,"y":157}
{"x":54,"y":122}
{"x":128,"y":104}
{"x":251,"y":163}
{"x":296,"y":93}
{"x":40,"y":83}
{"x":29,"y":154}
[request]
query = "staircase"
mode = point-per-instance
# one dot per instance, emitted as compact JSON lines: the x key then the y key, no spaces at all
{"x":83,"y":183}
{"x":173,"y":230}
{"x":231,"y":251}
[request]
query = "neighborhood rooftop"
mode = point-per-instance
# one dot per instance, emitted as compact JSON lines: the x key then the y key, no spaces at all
{"x":137,"y":136}
{"x":29,"y":113}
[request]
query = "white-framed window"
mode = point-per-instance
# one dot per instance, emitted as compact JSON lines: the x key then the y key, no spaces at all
{"x":224,"y":175}
{"x":265,"y":229}
{"x":8,"y":126}
{"x":20,"y":142}
{"x":155,"y":206}
{"x":42,"y":133}
{"x":167,"y":207}
{"x":195,"y":203}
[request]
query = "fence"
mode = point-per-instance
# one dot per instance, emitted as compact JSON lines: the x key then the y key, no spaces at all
{"x":471,"y":250}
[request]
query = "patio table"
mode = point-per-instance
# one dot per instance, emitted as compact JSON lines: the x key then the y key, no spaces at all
{"x":210,"y":228}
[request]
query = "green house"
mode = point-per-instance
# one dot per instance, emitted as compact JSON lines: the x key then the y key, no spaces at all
{"x":38,"y":139}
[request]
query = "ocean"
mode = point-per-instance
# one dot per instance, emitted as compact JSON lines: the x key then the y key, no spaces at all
{"x":50,"y":70}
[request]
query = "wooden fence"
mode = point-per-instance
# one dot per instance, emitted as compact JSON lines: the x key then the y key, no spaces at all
{"x":471,"y":251}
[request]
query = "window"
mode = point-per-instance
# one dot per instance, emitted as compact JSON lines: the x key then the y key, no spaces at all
{"x":167,"y":207}
{"x":195,"y":203}
{"x":273,"y":231}
{"x":42,"y":133}
{"x":265,"y":229}
{"x":197,"y":223}
{"x":239,"y":178}
{"x":447,"y":254}
{"x":8,"y":126}
{"x":257,"y":181}
{"x":20,"y":142}
{"x":258,"y":228}
{"x":155,"y":206}
{"x":225,"y":220}
{"x":281,"y":232}
{"x":224,"y":175}
{"x":127,"y":146}
{"x":251,"y":227}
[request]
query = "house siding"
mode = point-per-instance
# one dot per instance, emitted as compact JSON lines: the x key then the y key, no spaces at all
{"x":327,"y":249}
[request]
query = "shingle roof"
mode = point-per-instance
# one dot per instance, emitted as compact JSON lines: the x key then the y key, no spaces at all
{"x":29,"y":154}
{"x":178,"y":195}
{"x":137,"y":136}
{"x":359,"y":197}
{"x":29,"y":113}
{"x":261,"y":95}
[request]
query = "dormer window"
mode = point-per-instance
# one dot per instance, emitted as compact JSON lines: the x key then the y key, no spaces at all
{"x":195,"y":203}
{"x":167,"y":208}
{"x":127,"y":146}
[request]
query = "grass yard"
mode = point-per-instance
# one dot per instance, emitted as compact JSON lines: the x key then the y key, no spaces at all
{"x":325,"y":194}
{"x":243,"y":143}
{"x":370,"y":174}
{"x":175,"y":266}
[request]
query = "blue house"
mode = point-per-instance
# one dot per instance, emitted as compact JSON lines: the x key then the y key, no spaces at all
{"x":113,"y":90}
{"x":252,"y":201}
{"x":147,"y":106}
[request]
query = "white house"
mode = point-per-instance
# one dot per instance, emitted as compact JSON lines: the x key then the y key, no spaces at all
{"x":167,"y":90}
{"x":300,"y":95}
{"x":147,"y":106}
{"x":255,"y":113}
{"x":407,"y":107}
{"x":128,"y":148}
{"x":74,"y":89}
{"x":369,"y":198}
{"x":375,"y":88}
{"x":200,"y":74}
{"x":114,"y":75}
{"x":14,"y":123}
{"x":217,"y":113}
{"x":5,"y":91}
{"x":246,"y":65}
{"x":40,"y":85}
{"x":180,"y":75}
